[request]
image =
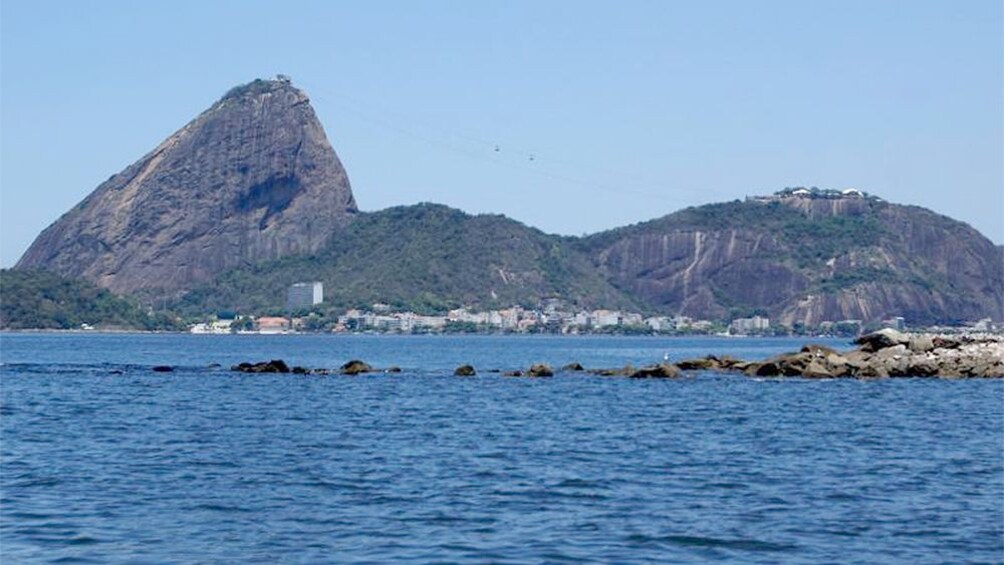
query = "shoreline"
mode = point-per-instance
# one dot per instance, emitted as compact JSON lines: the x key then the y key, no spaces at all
{"x":849,"y":339}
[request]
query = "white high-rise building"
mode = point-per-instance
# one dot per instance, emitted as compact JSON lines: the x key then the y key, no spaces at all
{"x":304,"y":295}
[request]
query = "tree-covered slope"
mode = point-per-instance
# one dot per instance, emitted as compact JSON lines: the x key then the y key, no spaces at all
{"x":806,"y":260}
{"x":425,"y":257}
{"x":42,"y":300}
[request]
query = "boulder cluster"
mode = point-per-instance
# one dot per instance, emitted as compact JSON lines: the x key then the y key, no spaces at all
{"x":273,"y":366}
{"x":886,"y":353}
{"x":889,"y":353}
{"x":354,"y":367}
{"x":535,"y":370}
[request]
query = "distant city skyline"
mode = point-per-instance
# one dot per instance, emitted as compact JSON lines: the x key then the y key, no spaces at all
{"x":572,"y":117}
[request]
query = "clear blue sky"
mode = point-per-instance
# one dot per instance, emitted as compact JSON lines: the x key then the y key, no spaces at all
{"x":631,"y":109}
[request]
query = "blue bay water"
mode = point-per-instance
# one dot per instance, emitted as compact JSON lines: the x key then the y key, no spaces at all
{"x":106,"y":460}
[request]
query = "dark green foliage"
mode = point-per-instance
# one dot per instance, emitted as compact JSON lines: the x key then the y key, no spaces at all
{"x":244,"y":324}
{"x":425,"y":258}
{"x":808,"y":241}
{"x":253,"y":88}
{"x":853,"y":277}
{"x":814,"y":241}
{"x":42,"y":300}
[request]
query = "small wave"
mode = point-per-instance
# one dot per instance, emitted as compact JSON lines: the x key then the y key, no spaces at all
{"x":37,"y":482}
{"x":212,"y":507}
{"x":581,"y":483}
{"x":82,"y":540}
{"x":709,"y":542}
{"x":727,"y":485}
{"x":75,"y":559}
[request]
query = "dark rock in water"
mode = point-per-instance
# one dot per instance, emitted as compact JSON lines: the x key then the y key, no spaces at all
{"x":251,"y":179}
{"x":464,"y":371}
{"x":881,"y":340}
{"x":627,"y":370}
{"x":273,"y":366}
{"x":392,"y":370}
{"x":711,"y":363}
{"x":662,"y":370}
{"x":162,"y":368}
{"x":539,"y":370}
{"x":766,"y":369}
{"x":513,"y":374}
{"x":726,"y":361}
{"x":355,"y":367}
{"x":573,"y":367}
{"x":298,"y":370}
{"x":116,"y":372}
{"x":708,"y":363}
{"x":213,"y":366}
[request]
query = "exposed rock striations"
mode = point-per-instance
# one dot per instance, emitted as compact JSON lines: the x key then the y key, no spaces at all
{"x":252,"y":178}
{"x":806,"y":260}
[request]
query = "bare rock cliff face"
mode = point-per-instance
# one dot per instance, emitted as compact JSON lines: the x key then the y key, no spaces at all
{"x":252,"y":178}
{"x":806,"y":260}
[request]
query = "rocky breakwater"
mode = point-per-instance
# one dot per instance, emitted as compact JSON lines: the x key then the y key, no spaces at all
{"x":888,"y":353}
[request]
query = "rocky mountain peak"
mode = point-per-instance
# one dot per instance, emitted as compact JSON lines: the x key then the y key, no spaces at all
{"x":264,"y":88}
{"x":252,"y":178}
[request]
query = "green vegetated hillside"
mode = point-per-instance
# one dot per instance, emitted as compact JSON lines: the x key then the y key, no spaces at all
{"x":806,"y":260}
{"x":426,"y":258}
{"x":42,"y":300}
{"x":249,"y":197}
{"x":800,"y":260}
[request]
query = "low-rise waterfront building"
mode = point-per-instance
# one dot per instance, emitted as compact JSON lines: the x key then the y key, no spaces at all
{"x":745,"y":326}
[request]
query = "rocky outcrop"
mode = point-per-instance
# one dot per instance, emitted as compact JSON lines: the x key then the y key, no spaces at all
{"x":539,"y":370}
{"x":273,"y":366}
{"x":355,"y":367}
{"x":889,"y":353}
{"x":465,"y":371}
{"x":713,"y":363}
{"x":662,"y":370}
{"x":806,"y":260}
{"x":252,"y":178}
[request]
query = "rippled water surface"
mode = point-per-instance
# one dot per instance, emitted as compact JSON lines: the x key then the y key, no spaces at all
{"x":104,"y":459}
